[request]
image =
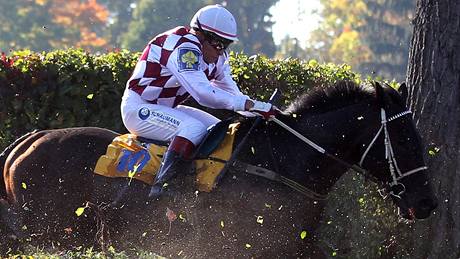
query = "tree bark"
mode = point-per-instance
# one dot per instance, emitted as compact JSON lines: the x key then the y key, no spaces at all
{"x":434,"y":82}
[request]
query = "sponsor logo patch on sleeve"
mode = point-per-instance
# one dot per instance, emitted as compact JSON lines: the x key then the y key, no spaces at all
{"x":188,"y":59}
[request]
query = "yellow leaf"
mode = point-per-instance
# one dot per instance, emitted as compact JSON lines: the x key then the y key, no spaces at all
{"x":253,"y":150}
{"x":313,"y":63}
{"x":268,"y":206}
{"x":89,"y":96}
{"x":132,"y":173}
{"x":182,"y":218}
{"x":222,"y":224}
{"x":294,"y":115}
{"x":248,"y":246}
{"x":334,"y":253}
{"x":303,"y":234}
{"x":144,"y":234}
{"x":260,"y":219}
{"x":433,"y":151}
{"x":24,"y":185}
{"x":80,"y":211}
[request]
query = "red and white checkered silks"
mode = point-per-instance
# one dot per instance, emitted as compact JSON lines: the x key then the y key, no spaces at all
{"x":152,"y":80}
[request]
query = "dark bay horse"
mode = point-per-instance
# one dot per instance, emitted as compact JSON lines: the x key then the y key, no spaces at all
{"x":48,"y":174}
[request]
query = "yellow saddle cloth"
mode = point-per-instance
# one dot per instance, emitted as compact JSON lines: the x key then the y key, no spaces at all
{"x":127,"y":157}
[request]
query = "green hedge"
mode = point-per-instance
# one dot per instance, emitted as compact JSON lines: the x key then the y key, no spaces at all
{"x":74,"y":88}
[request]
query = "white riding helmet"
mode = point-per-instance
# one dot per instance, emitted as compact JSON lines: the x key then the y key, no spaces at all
{"x":215,"y":19}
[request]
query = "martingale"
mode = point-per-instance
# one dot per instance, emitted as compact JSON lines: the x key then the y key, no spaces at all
{"x":128,"y":157}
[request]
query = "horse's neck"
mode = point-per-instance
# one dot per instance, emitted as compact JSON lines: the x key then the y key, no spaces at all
{"x":338,"y":132}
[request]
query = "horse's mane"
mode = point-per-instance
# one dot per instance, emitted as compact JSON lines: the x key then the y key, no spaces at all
{"x":327,"y":98}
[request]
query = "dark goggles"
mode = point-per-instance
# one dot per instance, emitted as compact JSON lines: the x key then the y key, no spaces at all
{"x":214,"y":40}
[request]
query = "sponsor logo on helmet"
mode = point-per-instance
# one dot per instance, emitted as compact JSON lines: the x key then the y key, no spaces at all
{"x":188,"y":59}
{"x":144,"y":113}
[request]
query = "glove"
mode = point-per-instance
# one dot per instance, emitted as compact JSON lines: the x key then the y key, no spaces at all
{"x":263,"y":109}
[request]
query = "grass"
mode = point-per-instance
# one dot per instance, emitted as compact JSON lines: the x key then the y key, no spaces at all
{"x":88,"y":253}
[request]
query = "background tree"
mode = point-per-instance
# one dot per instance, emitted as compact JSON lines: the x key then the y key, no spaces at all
{"x":43,"y":25}
{"x":386,"y":31}
{"x":84,"y":23}
{"x":290,"y":47}
{"x":120,"y":16}
{"x":151,"y":17}
{"x":337,"y":39}
{"x":25,"y":24}
{"x":434,"y":81}
{"x":370,"y":35}
{"x":254,"y":25}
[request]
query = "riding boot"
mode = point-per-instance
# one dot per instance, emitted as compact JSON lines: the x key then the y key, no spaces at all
{"x":179,"y":149}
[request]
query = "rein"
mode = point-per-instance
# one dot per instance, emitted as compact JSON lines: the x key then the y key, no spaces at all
{"x":396,"y":173}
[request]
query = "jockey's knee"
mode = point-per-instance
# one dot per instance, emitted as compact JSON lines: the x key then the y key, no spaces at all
{"x":194,"y":131}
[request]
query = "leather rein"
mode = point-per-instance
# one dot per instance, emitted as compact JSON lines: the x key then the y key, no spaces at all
{"x":396,"y":173}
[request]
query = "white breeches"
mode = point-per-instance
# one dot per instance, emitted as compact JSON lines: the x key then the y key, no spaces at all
{"x":164,"y":123}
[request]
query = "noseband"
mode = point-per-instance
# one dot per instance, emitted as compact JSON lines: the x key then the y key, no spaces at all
{"x":396,"y":173}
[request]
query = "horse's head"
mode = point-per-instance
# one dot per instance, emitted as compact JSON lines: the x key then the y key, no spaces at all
{"x":395,"y":156}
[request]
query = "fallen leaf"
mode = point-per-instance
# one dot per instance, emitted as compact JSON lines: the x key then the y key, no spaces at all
{"x":248,"y":246}
{"x":260,"y":219}
{"x":222,"y":224}
{"x":132,"y":173}
{"x":170,"y":215}
{"x":24,"y":185}
{"x":89,"y":96}
{"x":80,"y":211}
{"x":303,"y":234}
{"x":68,"y":230}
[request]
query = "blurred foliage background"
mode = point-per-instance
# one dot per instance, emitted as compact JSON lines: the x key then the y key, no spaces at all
{"x":46,"y":83}
{"x":372,"y":36}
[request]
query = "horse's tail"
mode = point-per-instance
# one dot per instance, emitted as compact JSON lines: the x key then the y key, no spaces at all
{"x":3,"y":157}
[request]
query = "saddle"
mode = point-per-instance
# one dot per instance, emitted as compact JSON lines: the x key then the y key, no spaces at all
{"x":136,"y":157}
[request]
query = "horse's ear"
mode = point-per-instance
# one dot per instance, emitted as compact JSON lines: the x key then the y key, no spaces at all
{"x":380,"y":94}
{"x":403,"y":91}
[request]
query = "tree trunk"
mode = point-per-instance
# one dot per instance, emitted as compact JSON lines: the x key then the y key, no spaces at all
{"x":434,"y":81}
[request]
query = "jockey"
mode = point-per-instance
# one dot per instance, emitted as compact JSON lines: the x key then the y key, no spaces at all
{"x":174,"y":65}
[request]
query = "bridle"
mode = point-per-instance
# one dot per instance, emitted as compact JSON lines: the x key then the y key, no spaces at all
{"x":395,"y":172}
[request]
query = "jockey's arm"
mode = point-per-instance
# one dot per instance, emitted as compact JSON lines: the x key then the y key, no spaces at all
{"x":200,"y":88}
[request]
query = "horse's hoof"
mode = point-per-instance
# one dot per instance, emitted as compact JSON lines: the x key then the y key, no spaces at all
{"x":155,"y":191}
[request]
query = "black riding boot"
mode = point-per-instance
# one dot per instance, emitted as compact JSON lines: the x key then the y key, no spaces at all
{"x":180,"y":148}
